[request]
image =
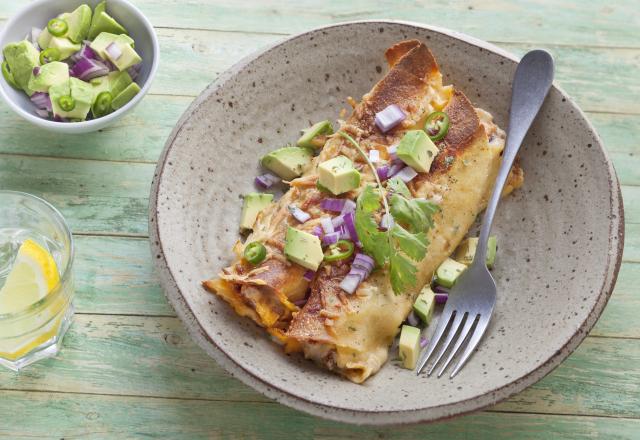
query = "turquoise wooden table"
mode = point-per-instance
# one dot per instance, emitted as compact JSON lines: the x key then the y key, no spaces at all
{"x":128,"y":368}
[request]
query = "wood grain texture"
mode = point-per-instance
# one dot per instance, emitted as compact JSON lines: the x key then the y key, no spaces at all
{"x":97,"y":417}
{"x":154,"y":357}
{"x":593,"y":23}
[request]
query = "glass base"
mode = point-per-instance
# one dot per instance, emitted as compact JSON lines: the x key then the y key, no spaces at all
{"x":45,"y":350}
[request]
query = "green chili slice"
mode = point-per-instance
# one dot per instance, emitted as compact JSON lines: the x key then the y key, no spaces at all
{"x":437,"y":125}
{"x":102,"y":104}
{"x":48,"y":55}
{"x":57,"y":27}
{"x":8,"y":76}
{"x":255,"y":252}
{"x":339,"y":251}
{"x":66,"y":103}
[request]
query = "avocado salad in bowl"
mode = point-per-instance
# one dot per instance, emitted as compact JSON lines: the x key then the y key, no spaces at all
{"x":79,"y":63}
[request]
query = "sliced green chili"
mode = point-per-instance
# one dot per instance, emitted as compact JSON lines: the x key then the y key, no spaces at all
{"x":339,"y":251}
{"x":57,"y":27}
{"x":255,"y":253}
{"x":437,"y":125}
{"x":48,"y":55}
{"x":8,"y":76}
{"x":67,"y":103}
{"x":102,"y":104}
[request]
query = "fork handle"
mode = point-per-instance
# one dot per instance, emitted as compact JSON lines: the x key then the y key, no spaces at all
{"x":531,"y":83}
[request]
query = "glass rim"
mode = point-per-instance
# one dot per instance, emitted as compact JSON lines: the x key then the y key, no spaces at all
{"x":58,"y":290}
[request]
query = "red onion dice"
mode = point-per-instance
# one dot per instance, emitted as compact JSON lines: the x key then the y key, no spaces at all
{"x":335,"y":205}
{"x":331,"y":238}
{"x":441,"y":298}
{"x":407,"y":174}
{"x":299,"y":214}
{"x":114,"y":51}
{"x":389,"y":118}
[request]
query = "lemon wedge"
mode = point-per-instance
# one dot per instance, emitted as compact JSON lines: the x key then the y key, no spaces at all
{"x":33,"y":276}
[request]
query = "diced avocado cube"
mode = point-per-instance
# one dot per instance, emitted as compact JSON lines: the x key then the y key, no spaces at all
{"x":101,"y":84}
{"x":467,"y":250}
{"x":424,"y":305}
{"x":119,"y":81}
{"x":417,"y":150}
{"x":79,"y":22}
{"x":303,"y":248}
{"x":22,"y":57}
{"x":338,"y":175}
{"x":103,"y":22}
{"x":396,"y":185}
{"x":448,"y":272}
{"x":49,"y":75}
{"x":128,"y":56}
{"x":65,"y":46}
{"x":307,"y":140}
{"x":288,"y":162}
{"x":125,"y":96}
{"x":102,"y":41}
{"x":252,"y":205}
{"x":80,"y":91}
{"x":409,"y":347}
{"x":44,"y":38}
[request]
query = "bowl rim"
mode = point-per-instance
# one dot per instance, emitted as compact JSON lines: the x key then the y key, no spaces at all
{"x":393,"y":417}
{"x":98,"y":123}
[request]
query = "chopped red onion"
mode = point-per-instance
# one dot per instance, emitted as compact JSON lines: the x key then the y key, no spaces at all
{"x":350,"y":283}
{"x":331,"y":238}
{"x":389,"y":118}
{"x":386,"y":222}
{"x":35,"y":33}
{"x":317,"y":231}
{"x":58,"y":118}
{"x":350,"y":222}
{"x":441,"y":298}
{"x":308,"y":275}
{"x":36,"y":71}
{"x":395,"y":168}
{"x":349,"y":206}
{"x":134,"y":71}
{"x":344,"y":233}
{"x":383,"y":172}
{"x":413,"y":320}
{"x":335,"y":205}
{"x":407,"y":174}
{"x":362,"y":273}
{"x":299,"y":214}
{"x":84,"y":52}
{"x":42,"y":101}
{"x":439,"y":289}
{"x":423,"y":342}
{"x":392,"y":150}
{"x":113,"y":51}
{"x":42,"y":113}
{"x":363,"y":260}
{"x":327,"y":225}
{"x":337,"y":221}
{"x":266,"y":180}
{"x":374,"y":156}
{"x":302,"y":301}
{"x":87,"y":69}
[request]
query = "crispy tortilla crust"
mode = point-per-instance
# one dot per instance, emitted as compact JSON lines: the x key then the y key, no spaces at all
{"x":350,"y":334}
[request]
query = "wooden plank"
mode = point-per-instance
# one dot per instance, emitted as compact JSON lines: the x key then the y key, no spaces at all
{"x":96,"y":417}
{"x":596,"y":22}
{"x":585,"y":73}
{"x":94,"y":196}
{"x":620,"y":317}
{"x":632,"y":234}
{"x":138,"y":136}
{"x":115,"y":275}
{"x":115,"y":354}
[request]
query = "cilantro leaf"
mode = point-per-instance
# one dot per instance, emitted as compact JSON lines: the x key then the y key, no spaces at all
{"x":414,"y":245}
{"x":374,"y":242}
{"x":395,"y":185}
{"x":402,"y":273}
{"x":416,"y":214}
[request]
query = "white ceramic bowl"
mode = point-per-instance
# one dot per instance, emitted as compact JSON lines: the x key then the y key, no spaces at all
{"x":37,"y":14}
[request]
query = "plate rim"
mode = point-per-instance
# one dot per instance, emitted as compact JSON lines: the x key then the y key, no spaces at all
{"x":365,"y":417}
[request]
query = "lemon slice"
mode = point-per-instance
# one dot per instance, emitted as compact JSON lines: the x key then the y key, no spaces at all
{"x":33,"y":276}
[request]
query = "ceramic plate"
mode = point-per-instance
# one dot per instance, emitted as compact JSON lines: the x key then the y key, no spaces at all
{"x":560,"y":235}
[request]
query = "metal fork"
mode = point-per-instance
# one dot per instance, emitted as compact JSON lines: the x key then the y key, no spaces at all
{"x":473,"y":297}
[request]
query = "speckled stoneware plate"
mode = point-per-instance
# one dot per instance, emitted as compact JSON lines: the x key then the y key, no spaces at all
{"x":560,"y":235}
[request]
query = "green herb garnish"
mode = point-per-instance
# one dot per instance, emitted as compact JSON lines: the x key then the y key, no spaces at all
{"x":406,"y":241}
